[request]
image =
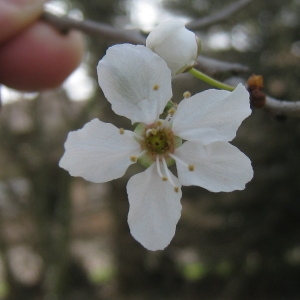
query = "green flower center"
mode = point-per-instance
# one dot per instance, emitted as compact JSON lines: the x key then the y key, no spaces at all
{"x":158,"y":143}
{"x":156,"y":140}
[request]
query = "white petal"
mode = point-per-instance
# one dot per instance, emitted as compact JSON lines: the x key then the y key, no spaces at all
{"x":136,"y":81}
{"x":212,"y":115}
{"x":99,"y":152}
{"x":154,"y":209}
{"x":177,"y":45}
{"x":218,"y":167}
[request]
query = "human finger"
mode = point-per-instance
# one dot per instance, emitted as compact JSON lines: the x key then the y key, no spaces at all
{"x":15,"y":15}
{"x":39,"y":58}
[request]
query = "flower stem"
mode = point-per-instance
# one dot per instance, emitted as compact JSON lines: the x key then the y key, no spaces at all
{"x":210,"y":80}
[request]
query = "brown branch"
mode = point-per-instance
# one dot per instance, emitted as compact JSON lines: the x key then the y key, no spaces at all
{"x":219,"y":16}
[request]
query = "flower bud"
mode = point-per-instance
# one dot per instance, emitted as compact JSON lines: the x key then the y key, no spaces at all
{"x":178,"y":46}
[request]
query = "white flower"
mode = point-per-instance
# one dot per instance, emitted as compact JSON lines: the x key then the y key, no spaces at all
{"x":178,"y":46}
{"x":137,"y":83}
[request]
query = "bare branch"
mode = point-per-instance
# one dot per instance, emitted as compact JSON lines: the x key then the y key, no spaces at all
{"x":281,"y":107}
{"x":272,"y":105}
{"x":214,"y":67}
{"x":64,"y":24}
{"x":219,"y":16}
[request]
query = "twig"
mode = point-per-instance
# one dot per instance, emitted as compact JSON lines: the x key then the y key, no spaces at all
{"x":65,"y":24}
{"x":219,"y":16}
{"x":208,"y":65}
{"x":214,"y":67}
{"x":282,"y":108}
{"x":272,"y":105}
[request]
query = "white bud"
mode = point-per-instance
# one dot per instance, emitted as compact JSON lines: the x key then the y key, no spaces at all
{"x":178,"y":46}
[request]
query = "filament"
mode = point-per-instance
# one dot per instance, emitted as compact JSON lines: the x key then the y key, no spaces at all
{"x":168,"y":172}
{"x":190,"y":167}
{"x":178,"y":160}
{"x":164,"y":178}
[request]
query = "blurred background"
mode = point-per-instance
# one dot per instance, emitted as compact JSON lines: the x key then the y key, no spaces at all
{"x":66,"y":238}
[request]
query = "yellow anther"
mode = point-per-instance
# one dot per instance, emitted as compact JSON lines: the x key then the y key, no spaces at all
{"x":191,"y":168}
{"x":176,"y":189}
{"x":159,"y":123}
{"x":164,"y":178}
{"x":172,"y":111}
{"x":155,"y":87}
{"x":122,"y":131}
{"x":187,"y":94}
{"x":133,"y":158}
{"x":148,"y":132}
{"x":153,"y":131}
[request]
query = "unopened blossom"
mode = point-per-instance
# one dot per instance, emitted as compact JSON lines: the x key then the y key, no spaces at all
{"x":178,"y":46}
{"x":137,"y":83}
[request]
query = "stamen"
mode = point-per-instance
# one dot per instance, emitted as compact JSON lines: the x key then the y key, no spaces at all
{"x":148,"y":132}
{"x":153,"y":131}
{"x":158,"y":168}
{"x":168,"y":173}
{"x":155,"y":87}
{"x":164,"y":178}
{"x":172,"y":111}
{"x":133,"y":158}
{"x":190,"y":167}
{"x":187,"y":94}
{"x":121,"y":130}
{"x":178,"y":160}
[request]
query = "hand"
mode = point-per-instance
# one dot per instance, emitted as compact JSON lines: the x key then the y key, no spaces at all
{"x":34,"y":55}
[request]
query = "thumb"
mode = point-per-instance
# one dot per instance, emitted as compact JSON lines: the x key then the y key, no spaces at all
{"x":17,"y":14}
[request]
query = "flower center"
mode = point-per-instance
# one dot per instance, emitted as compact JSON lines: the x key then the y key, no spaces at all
{"x":158,"y":144}
{"x":156,"y":140}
